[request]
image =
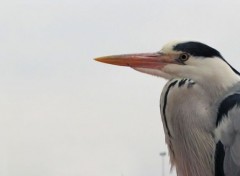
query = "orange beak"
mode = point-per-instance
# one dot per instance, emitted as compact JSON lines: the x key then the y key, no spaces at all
{"x":142,"y":60}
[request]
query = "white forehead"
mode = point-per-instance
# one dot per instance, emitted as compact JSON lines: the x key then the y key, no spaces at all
{"x":168,"y":48}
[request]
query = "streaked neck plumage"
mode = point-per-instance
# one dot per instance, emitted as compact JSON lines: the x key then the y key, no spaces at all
{"x":187,"y":132}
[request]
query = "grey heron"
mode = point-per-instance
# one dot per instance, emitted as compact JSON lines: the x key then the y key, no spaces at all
{"x":200,"y":106}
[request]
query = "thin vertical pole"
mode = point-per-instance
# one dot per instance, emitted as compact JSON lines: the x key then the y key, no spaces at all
{"x":162,"y":154}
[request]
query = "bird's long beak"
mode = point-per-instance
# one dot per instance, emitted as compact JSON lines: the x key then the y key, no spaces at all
{"x":142,"y":60}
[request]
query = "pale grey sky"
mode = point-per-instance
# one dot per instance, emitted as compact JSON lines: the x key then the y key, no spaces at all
{"x":63,"y":114}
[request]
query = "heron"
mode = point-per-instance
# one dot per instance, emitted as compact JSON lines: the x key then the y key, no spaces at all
{"x":200,"y":105}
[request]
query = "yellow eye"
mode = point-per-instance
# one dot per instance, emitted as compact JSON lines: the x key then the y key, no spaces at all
{"x":183,"y":57}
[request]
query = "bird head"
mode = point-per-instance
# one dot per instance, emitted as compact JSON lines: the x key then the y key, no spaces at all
{"x":190,"y":59}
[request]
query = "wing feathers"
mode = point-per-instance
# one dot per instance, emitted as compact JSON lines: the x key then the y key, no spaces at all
{"x":228,"y":132}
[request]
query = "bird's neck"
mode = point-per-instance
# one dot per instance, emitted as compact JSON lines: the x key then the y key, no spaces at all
{"x":218,"y":85}
{"x":217,"y":78}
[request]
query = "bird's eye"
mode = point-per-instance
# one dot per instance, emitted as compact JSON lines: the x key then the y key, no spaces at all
{"x":183,"y":57}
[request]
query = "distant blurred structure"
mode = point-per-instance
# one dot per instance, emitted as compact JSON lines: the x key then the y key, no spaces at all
{"x":162,"y":154}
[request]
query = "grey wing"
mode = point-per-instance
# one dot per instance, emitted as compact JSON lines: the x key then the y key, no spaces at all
{"x":228,"y":135}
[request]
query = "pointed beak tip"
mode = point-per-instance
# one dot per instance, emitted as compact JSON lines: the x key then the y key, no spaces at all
{"x":101,"y":59}
{"x":96,"y":59}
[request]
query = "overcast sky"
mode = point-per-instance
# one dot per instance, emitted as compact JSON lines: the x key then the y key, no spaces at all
{"x":63,"y":114}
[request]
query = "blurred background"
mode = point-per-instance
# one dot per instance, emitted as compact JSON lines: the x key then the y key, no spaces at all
{"x":62,"y":113}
